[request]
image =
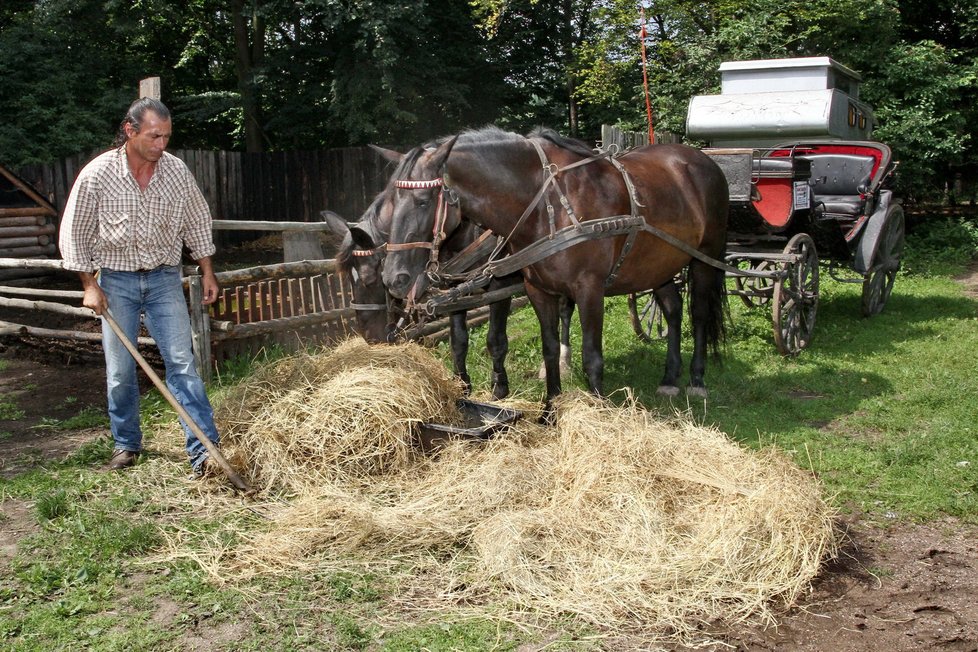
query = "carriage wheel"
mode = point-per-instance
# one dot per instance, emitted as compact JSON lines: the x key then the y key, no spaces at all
{"x":647,"y":319}
{"x":878,"y":283}
{"x":753,"y":290}
{"x":796,"y":297}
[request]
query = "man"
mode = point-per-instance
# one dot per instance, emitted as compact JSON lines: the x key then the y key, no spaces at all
{"x":129,"y":214}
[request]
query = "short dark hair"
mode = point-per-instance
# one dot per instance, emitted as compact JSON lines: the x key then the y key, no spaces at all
{"x":136,"y":113}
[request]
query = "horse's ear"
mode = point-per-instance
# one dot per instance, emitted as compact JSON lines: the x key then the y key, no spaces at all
{"x":387,"y":154}
{"x":440,"y":155}
{"x":335,"y":223}
{"x":361,"y":238}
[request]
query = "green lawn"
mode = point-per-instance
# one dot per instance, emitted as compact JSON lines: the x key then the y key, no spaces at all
{"x":883,"y":410}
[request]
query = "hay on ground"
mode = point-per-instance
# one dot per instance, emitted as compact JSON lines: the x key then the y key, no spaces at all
{"x":317,"y":419}
{"x":614,"y":515}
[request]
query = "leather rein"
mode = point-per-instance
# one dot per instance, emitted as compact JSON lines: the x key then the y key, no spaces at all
{"x":557,"y":240}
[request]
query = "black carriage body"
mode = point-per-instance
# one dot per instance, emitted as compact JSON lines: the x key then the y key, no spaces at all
{"x":831,"y":190}
{"x":807,"y":187}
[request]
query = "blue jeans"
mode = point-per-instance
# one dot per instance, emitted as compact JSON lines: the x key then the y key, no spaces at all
{"x":158,"y":294}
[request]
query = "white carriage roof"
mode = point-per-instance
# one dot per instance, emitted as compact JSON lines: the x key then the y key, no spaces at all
{"x":799,"y":62}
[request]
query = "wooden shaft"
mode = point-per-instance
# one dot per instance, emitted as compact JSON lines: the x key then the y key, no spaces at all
{"x":23,"y":241}
{"x":256,"y":225}
{"x":264,"y":272}
{"x":36,"y":250}
{"x":22,"y":262}
{"x":21,"y":220}
{"x":29,"y":211}
{"x":236,"y":480}
{"x":33,"y":230}
{"x":50,"y":306}
{"x":64,"y":294}
{"x":10,"y":328}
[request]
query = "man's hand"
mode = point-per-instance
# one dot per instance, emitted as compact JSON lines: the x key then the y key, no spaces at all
{"x":209,"y":285}
{"x":94,"y":298}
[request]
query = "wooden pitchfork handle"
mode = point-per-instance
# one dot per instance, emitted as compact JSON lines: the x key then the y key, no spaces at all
{"x":214,"y":452}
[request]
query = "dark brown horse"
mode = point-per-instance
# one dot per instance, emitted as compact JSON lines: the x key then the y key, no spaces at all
{"x":360,"y":258}
{"x":545,"y":189}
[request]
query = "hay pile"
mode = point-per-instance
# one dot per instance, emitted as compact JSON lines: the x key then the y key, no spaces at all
{"x":616,"y":516}
{"x":315,"y":419}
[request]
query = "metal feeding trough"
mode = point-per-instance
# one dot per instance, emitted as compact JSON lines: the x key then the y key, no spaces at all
{"x":481,"y":421}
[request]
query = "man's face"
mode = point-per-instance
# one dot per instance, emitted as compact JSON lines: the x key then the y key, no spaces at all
{"x":149,"y":142}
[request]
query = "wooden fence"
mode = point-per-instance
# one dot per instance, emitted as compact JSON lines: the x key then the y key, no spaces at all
{"x":290,"y":305}
{"x":628,"y":139}
{"x":276,"y":186}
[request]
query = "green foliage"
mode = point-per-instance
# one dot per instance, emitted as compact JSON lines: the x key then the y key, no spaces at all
{"x":52,"y":505}
{"x":917,"y":96}
{"x":342,"y":72}
{"x":9,"y":410}
{"x":941,"y":245}
{"x":89,"y":417}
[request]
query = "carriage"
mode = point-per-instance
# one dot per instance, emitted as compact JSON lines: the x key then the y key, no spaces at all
{"x":807,"y":190}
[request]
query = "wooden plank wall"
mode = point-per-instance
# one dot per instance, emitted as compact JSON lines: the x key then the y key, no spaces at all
{"x":630,"y":139}
{"x":276,"y":186}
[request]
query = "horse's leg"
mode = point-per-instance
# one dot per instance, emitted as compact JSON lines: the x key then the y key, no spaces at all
{"x":706,"y":297}
{"x":670,"y":301}
{"x":545,"y":306}
{"x":590,"y":307}
{"x":497,"y":341}
{"x":566,"y":313}
{"x":459,"y":339}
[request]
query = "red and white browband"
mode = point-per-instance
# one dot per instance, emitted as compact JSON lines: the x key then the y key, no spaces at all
{"x":364,"y":253}
{"x":417,"y":185}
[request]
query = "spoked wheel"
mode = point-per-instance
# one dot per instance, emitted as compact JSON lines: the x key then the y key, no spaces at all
{"x":878,"y":283}
{"x":796,"y":297}
{"x":647,"y":318}
{"x":755,"y":290}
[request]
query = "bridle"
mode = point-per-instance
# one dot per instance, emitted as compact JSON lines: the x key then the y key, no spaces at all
{"x":367,"y":253}
{"x":446,"y":198}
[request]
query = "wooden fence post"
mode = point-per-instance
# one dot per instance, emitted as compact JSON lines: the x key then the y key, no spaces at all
{"x":200,"y":326}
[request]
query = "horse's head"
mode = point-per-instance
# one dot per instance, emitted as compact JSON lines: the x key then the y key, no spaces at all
{"x":360,"y":259}
{"x":423,"y":213}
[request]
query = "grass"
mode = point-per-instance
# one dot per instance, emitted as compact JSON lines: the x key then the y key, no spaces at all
{"x":881,"y":409}
{"x":874,"y":407}
{"x":9,"y":410}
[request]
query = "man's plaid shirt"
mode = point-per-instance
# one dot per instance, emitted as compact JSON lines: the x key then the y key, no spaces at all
{"x":109,"y":222}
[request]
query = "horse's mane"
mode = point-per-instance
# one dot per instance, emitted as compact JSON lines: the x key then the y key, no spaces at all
{"x":570,"y":144}
{"x":487,"y":134}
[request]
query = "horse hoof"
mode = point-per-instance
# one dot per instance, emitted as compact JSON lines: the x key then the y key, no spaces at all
{"x":667,"y":390}
{"x":548,"y":417}
{"x":499,"y":392}
{"x":696,"y":392}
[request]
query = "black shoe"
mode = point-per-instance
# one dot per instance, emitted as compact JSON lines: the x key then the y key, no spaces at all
{"x":208,"y":468}
{"x":121,"y":459}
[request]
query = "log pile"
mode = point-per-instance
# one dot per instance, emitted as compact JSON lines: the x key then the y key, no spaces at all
{"x":28,"y":226}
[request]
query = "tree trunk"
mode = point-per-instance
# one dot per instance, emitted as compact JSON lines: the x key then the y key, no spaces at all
{"x":248,"y":53}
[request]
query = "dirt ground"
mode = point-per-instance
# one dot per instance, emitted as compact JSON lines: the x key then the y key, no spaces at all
{"x":895,"y":586}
